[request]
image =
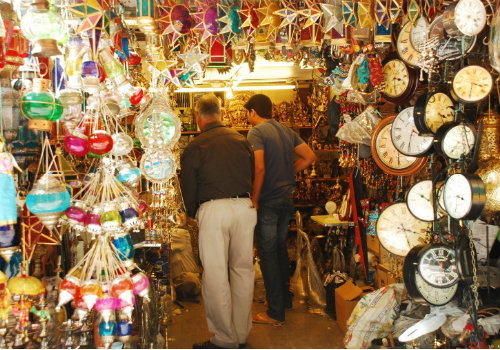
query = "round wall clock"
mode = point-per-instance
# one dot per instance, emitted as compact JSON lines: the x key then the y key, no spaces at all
{"x":406,"y":50}
{"x":398,"y":230}
{"x":418,"y":288}
{"x":406,"y":138}
{"x":400,"y":81}
{"x":471,"y":84}
{"x":464,"y":196}
{"x":419,"y":32}
{"x":420,"y":201}
{"x":449,"y":48}
{"x":437,"y":265}
{"x":455,"y":140}
{"x":387,"y":157}
{"x":431,"y":112}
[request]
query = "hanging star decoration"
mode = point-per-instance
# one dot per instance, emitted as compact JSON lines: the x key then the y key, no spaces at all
{"x":270,"y":20}
{"x":249,"y":17}
{"x":206,"y":17}
{"x":229,"y":21}
{"x":312,"y":15}
{"x":193,"y":59}
{"x":332,"y":13}
{"x":162,"y":70}
{"x":178,"y":22}
{"x":95,"y":14}
{"x":289,"y":20}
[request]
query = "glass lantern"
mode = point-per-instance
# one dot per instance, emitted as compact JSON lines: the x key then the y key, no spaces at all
{"x":44,"y":27}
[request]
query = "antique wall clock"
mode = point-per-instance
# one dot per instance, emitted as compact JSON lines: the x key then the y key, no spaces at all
{"x":419,"y":33}
{"x":408,"y":53}
{"x":464,"y":196}
{"x":437,"y":265}
{"x":449,"y":48}
{"x":387,"y":157}
{"x":420,"y":201}
{"x":398,"y":230}
{"x":455,"y":140}
{"x":406,"y":138}
{"x":418,"y":288}
{"x":433,"y":111}
{"x":471,"y":84}
{"x":466,"y":17}
{"x":400,"y":81}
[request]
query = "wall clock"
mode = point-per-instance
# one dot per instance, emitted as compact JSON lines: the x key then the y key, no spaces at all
{"x":466,"y":17}
{"x":406,"y":138}
{"x":471,"y":84}
{"x":455,"y":140}
{"x":398,"y":230}
{"x":406,"y":50}
{"x":433,"y":111}
{"x":449,"y":48}
{"x":387,"y":157}
{"x":464,"y":196}
{"x":437,"y":265}
{"x":400,"y":81}
{"x":420,"y":201}
{"x":419,"y":33}
{"x":418,"y":288}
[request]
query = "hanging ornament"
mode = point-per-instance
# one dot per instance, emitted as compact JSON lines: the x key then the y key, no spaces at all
{"x":193,"y":59}
{"x":48,"y":200}
{"x":100,"y":142}
{"x":9,"y":237}
{"x":128,"y":173}
{"x":130,"y":216}
{"x":332,"y":13}
{"x":381,"y":14}
{"x":68,"y":289}
{"x":141,"y":285}
{"x":91,"y":291}
{"x":365,"y":10}
{"x":110,"y":219}
{"x":271,"y":20}
{"x":178,"y":21}
{"x":229,"y":21}
{"x":122,"y":144}
{"x":413,"y":10}
{"x":106,"y":307}
{"x":25,"y":285}
{"x":122,"y":288}
{"x":206,"y":17}
{"x":76,"y":145}
{"x":93,"y":221}
{"x":249,"y":17}
{"x":312,"y":16}
{"x":93,"y":14}
{"x":289,"y":21}
{"x":349,"y":12}
{"x":123,"y":244}
{"x":395,"y":10}
{"x":158,"y":166}
{"x":76,"y":215}
{"x":430,"y":9}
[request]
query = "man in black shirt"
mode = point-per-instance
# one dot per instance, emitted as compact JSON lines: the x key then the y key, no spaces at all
{"x":217,"y":170}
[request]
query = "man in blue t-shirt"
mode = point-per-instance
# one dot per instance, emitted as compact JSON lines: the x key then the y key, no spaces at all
{"x":279,"y":154}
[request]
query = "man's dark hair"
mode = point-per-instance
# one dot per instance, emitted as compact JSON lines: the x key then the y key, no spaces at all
{"x":261,"y":104}
{"x":208,"y":106}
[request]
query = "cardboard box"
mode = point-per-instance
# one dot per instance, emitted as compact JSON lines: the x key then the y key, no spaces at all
{"x":346,"y":298}
{"x":383,"y":277}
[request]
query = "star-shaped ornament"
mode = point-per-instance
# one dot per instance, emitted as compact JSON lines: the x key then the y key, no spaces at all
{"x":229,"y":22}
{"x":206,"y":17}
{"x":270,"y":20}
{"x":193,"y":58}
{"x":289,"y":21}
{"x":332,"y":13}
{"x":249,"y":17}
{"x":178,"y":21}
{"x":93,"y":13}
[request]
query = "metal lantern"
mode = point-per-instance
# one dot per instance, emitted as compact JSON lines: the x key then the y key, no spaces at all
{"x":40,"y":106}
{"x":146,"y":16}
{"x":44,"y":27}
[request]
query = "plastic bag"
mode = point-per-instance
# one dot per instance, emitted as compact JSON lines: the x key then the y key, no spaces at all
{"x":373,"y":316}
{"x":360,"y":130}
{"x":306,"y":281}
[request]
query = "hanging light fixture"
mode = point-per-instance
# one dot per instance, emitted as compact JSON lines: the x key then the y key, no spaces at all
{"x":44,"y":27}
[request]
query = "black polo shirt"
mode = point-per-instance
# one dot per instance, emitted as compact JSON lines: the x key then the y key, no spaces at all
{"x":217,"y":164}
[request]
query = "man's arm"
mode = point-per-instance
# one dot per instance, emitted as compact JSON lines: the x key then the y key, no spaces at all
{"x":188,"y":181}
{"x":306,"y":157}
{"x":260,"y":171}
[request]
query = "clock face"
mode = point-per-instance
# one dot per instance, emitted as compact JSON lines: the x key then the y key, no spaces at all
{"x":388,"y":154}
{"x":440,"y":194}
{"x":438,"y":267}
{"x":396,"y":78}
{"x":472,"y":83}
{"x":419,"y":32}
{"x":406,"y":50}
{"x":458,"y":141}
{"x":405,"y":136}
{"x":434,"y":295}
{"x":438,"y":111}
{"x":398,"y":230}
{"x":420,"y":201}
{"x":470,"y":16}
{"x":457,"y":196}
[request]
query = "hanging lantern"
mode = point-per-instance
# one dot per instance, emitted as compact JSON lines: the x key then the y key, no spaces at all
{"x":9,"y":237}
{"x":93,"y":221}
{"x":146,"y":16}
{"x":43,"y":27}
{"x":76,"y":145}
{"x":142,"y":208}
{"x":128,"y":173}
{"x":130,"y":216}
{"x":489,"y":162}
{"x":124,"y":331}
{"x":122,"y":288}
{"x":125,"y":309}
{"x":122,"y":144}
{"x":123,"y":243}
{"x":40,"y":106}
{"x":141,"y":285}
{"x":80,"y":307}
{"x":91,"y":77}
{"x":25,"y":285}
{"x":111,"y":220}
{"x":91,"y":291}
{"x":106,"y":307}
{"x":100,"y":143}
{"x":48,"y":200}
{"x":76,"y":215}
{"x":68,"y":289}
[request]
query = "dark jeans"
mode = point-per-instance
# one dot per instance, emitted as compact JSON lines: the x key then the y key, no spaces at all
{"x":273,"y":217}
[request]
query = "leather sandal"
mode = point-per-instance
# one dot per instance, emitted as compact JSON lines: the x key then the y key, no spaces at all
{"x":263,"y":318}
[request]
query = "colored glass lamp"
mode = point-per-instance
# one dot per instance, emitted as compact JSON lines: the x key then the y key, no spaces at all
{"x":44,"y":27}
{"x":25,"y":285}
{"x":40,"y":106}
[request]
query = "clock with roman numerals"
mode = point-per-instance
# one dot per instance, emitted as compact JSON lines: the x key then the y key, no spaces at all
{"x":400,"y":80}
{"x":386,"y":155}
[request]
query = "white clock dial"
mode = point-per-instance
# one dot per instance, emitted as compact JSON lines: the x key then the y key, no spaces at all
{"x":470,"y":16}
{"x":457,"y":196}
{"x":434,"y":295}
{"x":398,"y":230}
{"x":405,"y":136}
{"x":419,"y":32}
{"x":458,"y":141}
{"x":438,"y":267}
{"x":420,"y":201}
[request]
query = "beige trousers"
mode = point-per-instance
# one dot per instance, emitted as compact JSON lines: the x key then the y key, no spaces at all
{"x":226,"y":229}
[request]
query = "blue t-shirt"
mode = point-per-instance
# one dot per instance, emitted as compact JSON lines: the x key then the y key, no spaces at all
{"x":278,"y":142}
